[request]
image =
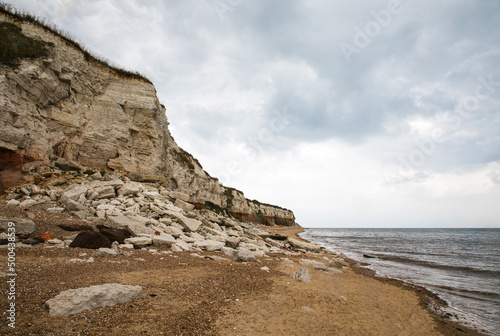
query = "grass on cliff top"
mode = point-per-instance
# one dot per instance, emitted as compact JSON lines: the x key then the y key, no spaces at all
{"x":14,"y":45}
{"x":23,"y":16}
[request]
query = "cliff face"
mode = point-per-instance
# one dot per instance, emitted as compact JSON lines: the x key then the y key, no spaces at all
{"x":65,"y":107}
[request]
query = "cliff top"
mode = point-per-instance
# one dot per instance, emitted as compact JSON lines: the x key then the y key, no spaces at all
{"x":36,"y":48}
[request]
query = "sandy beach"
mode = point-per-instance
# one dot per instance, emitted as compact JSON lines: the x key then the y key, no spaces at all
{"x":187,"y":293}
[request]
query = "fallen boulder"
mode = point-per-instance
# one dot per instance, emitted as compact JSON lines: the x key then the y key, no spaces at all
{"x":139,"y":242}
{"x":313,"y":263}
{"x":243,"y":255}
{"x":22,"y":226}
{"x":136,"y":225}
{"x":129,"y":189}
{"x":209,"y":245}
{"x":304,"y":245}
{"x":90,"y":240}
{"x":74,"y":301}
{"x":301,"y":275}
{"x":190,"y":224}
{"x":183,"y":205}
{"x":74,"y":192}
{"x":118,"y":235}
{"x":163,"y":239}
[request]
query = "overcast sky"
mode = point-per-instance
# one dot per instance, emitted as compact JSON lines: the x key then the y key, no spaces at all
{"x":351,"y":114}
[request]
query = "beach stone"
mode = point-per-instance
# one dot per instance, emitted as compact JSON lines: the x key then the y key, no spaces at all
{"x":74,"y":301}
{"x":74,"y":192}
{"x":228,"y":251}
{"x":139,"y":242}
{"x":242,"y":254}
{"x":129,"y":189}
{"x":233,"y":242}
{"x":182,"y":245}
{"x":313,"y":263}
{"x":183,"y":205}
{"x":33,"y":241}
{"x":55,"y":241}
{"x":105,"y":192}
{"x":301,"y":275}
{"x":338,"y":263}
{"x":163,"y":239}
{"x":136,"y":225}
{"x":151,"y":194}
{"x":190,"y":224}
{"x":72,"y":205}
{"x":172,"y":230}
{"x":106,"y":252}
{"x":55,"y":210}
{"x":74,"y":227}
{"x":22,"y":226}
{"x":209,"y":245}
{"x":179,"y":196}
{"x":13,"y":203}
{"x":304,"y":245}
{"x":27,"y":203}
{"x":332,"y":270}
{"x":157,"y":209}
{"x":90,"y":240}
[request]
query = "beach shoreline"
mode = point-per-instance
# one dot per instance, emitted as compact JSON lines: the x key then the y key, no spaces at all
{"x":449,"y":319}
{"x":206,"y":293}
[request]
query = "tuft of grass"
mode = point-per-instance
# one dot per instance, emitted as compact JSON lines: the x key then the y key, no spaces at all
{"x":23,"y":16}
{"x":14,"y":45}
{"x":188,"y":159}
{"x":215,"y":208}
{"x":229,"y":197}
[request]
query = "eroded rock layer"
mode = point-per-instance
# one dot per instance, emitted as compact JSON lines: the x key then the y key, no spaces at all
{"x":72,"y":112}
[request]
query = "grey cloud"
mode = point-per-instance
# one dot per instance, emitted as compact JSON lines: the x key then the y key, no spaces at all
{"x":422,"y":63}
{"x":495,"y":177}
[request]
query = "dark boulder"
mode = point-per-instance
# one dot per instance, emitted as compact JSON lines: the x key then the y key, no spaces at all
{"x":118,"y":235}
{"x":33,"y":241}
{"x":90,"y":240}
{"x":74,"y":227}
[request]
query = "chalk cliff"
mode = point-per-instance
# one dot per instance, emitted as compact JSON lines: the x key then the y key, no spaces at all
{"x":68,"y":109}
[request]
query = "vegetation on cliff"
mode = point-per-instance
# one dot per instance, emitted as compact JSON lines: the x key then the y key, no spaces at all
{"x":14,"y":45}
{"x":23,"y":16}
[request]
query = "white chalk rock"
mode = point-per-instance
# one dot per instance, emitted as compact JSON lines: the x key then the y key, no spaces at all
{"x":74,"y":301}
{"x":243,"y":255}
{"x":301,"y":275}
{"x":313,"y":263}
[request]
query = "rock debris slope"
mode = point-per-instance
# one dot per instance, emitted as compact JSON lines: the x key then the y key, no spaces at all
{"x":70,"y":111}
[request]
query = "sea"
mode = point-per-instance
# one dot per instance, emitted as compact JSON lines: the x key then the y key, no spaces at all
{"x":462,"y":266}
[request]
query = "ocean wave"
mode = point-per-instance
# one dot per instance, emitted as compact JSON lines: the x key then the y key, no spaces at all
{"x":431,"y":264}
{"x":476,"y":294}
